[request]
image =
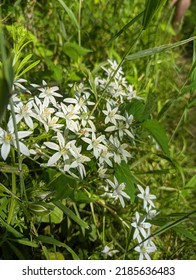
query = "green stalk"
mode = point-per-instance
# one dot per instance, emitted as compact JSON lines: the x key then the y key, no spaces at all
{"x":79,"y":22}
{"x":13,"y":200}
{"x":22,"y":186}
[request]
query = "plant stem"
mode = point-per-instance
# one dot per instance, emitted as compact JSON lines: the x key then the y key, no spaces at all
{"x":22,"y":186}
{"x":13,"y":200}
{"x":79,"y":22}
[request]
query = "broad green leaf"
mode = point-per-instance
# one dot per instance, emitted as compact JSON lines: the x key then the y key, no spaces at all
{"x":55,"y":216}
{"x":75,"y":51}
{"x":71,"y":214}
{"x":52,"y":241}
{"x":124,"y":175}
{"x":70,"y":13}
{"x":152,"y":6}
{"x":135,"y":108}
{"x":159,"y":49}
{"x":157,"y":131}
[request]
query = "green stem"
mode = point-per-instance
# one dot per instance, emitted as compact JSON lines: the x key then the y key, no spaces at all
{"x":179,"y":123}
{"x":79,"y":22}
{"x":13,"y":200}
{"x":22,"y":186}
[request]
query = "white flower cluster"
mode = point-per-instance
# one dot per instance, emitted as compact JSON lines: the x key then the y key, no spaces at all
{"x":142,"y":228}
{"x":65,"y":134}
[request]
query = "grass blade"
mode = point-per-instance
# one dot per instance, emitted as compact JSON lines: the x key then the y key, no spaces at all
{"x":53,"y":241}
{"x":159,"y":49}
{"x":70,"y":214}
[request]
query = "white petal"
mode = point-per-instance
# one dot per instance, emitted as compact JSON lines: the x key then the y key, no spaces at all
{"x":23,"y":149}
{"x":5,"y":149}
{"x":54,"y":158}
{"x":23,"y":134}
{"x":52,"y":146}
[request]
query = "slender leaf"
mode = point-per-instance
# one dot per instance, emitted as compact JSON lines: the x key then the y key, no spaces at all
{"x":51,"y":240}
{"x":70,"y":214}
{"x":10,"y":229}
{"x":159,"y":49}
{"x":185,"y":232}
{"x":28,"y":68}
{"x":70,"y":13}
{"x":130,"y":23}
{"x":151,"y":9}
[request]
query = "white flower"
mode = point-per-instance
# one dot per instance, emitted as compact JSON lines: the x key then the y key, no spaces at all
{"x":151,"y":213}
{"x":48,"y":93}
{"x":70,"y":113}
{"x":105,"y":156}
{"x":63,"y":149}
{"x":111,"y":114}
{"x":118,"y":150}
{"x":52,"y":122}
{"x":145,"y":249}
{"x":108,"y":252}
{"x":146,"y":196}
{"x":140,"y":227}
{"x":79,"y":159}
{"x":8,"y":138}
{"x":95,"y":144}
{"x":24,"y":111}
{"x":118,"y":192}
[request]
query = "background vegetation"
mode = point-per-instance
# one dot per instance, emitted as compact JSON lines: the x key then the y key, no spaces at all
{"x":66,"y":42}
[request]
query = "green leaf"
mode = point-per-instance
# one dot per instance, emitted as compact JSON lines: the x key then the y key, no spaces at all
{"x":10,"y":229}
{"x":192,"y":183}
{"x":124,"y":175}
{"x":55,"y":216}
{"x":32,"y":65}
{"x":130,"y":23}
{"x":70,"y":14}
{"x":40,"y":208}
{"x":71,"y":214}
{"x":51,"y":240}
{"x":158,"y":133}
{"x":136,"y":108}
{"x":25,"y":242}
{"x":151,"y":8}
{"x":159,"y":49}
{"x":185,"y":232}
{"x":74,"y":51}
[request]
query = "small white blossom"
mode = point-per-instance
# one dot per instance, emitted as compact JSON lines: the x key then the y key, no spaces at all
{"x":118,"y":192}
{"x":109,"y":252}
{"x":145,"y":249}
{"x":111,"y":114}
{"x":146,"y":196}
{"x":140,"y":227}
{"x":48,"y":93}
{"x":8,"y":139}
{"x":97,"y":144}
